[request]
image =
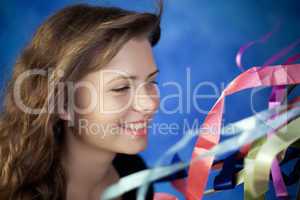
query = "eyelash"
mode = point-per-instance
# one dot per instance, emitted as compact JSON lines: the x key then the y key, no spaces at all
{"x":121,"y":89}
{"x":127,"y":87}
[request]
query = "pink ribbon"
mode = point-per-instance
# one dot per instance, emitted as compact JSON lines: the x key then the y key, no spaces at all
{"x":263,"y":39}
{"x":277,"y":95}
{"x":254,"y":77}
{"x":193,"y":188}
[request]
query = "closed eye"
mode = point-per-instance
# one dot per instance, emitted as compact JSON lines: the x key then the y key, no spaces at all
{"x":121,"y":89}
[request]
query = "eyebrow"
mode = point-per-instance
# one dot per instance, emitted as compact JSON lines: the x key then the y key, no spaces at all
{"x":133,"y":77}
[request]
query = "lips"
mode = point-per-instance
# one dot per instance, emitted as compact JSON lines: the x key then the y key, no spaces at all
{"x":136,"y":128}
{"x":139,"y":132}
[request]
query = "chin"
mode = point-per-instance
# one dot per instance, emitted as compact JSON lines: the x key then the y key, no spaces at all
{"x":134,"y":149}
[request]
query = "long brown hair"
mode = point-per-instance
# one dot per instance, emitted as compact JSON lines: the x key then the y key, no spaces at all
{"x":68,"y":42}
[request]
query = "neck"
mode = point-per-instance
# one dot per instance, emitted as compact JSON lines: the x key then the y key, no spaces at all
{"x":87,"y":168}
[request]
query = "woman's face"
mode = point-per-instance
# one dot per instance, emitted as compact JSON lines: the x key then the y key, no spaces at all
{"x":114,"y":105}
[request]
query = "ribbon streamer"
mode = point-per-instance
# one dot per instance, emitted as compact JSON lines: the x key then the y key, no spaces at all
{"x":248,"y":170}
{"x":209,"y":137}
{"x":290,"y":154}
{"x":267,"y":152}
{"x":243,"y":135}
{"x":254,"y":77}
{"x":277,"y":96}
{"x":263,"y":39}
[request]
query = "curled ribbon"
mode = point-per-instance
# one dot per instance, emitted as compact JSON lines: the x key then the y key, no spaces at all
{"x":243,"y":175}
{"x":209,"y":137}
{"x":277,"y":96}
{"x":263,"y":39}
{"x":262,"y":163}
{"x":254,"y":77}
{"x":243,"y":134}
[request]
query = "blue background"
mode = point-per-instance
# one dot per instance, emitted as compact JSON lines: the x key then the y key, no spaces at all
{"x":200,"y":35}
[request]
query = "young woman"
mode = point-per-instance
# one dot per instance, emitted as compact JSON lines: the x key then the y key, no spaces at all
{"x":78,"y":104}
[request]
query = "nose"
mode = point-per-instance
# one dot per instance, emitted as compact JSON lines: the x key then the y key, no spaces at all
{"x":145,"y":100}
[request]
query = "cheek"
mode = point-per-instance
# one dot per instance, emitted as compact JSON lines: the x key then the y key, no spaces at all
{"x":114,"y":105}
{"x":95,"y":127}
{"x":107,"y":112}
{"x":98,"y":101}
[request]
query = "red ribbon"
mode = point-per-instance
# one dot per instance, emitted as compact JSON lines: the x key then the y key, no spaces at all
{"x":199,"y":170}
{"x":254,"y":77}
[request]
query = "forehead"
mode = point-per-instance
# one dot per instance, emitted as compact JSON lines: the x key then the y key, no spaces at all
{"x":135,"y":56}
